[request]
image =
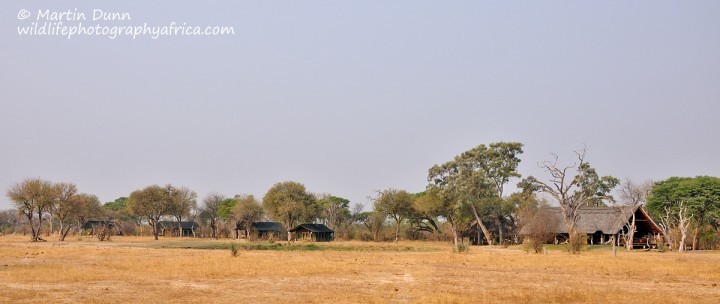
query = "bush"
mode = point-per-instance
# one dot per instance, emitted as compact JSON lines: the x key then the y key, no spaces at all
{"x":534,"y":244}
{"x":234,"y":248}
{"x":103,"y":232}
{"x":541,"y":229}
{"x":577,"y":241}
{"x":460,"y":248}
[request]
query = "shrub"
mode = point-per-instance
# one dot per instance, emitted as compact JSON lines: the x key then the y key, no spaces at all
{"x":103,"y":232}
{"x":234,"y":248}
{"x":541,"y":229}
{"x":576,"y":242}
{"x":460,"y":248}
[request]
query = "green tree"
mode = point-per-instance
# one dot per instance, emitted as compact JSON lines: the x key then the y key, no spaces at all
{"x":700,"y":195}
{"x":443,"y":197}
{"x":423,"y":219}
{"x":290,"y":203}
{"x":498,"y":163}
{"x":152,"y":203}
{"x":118,"y":204}
{"x":397,"y":204}
{"x":374,"y":222}
{"x":335,"y":210}
{"x":524,"y":204}
{"x":226,"y":208}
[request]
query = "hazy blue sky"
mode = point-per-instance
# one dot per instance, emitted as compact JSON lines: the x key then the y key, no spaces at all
{"x":349,"y":97}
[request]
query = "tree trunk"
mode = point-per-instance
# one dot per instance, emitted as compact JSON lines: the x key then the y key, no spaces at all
{"x":397,"y":230}
{"x":63,"y":233}
{"x":453,"y":229}
{"x":32,"y":227}
{"x":180,"y":232}
{"x":485,"y":231}
{"x":695,"y":237}
{"x":155,"y":228}
{"x":631,"y":235}
{"x":498,"y":223}
{"x":213,"y":228}
{"x":681,"y":247}
{"x":36,"y":236}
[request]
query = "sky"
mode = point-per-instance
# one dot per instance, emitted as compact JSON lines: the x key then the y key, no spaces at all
{"x":351,"y":97}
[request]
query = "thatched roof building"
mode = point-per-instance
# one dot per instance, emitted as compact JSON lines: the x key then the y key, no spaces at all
{"x":601,"y":223}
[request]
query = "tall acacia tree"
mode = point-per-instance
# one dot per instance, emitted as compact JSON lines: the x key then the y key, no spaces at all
{"x":335,"y":210}
{"x":246,"y":211}
{"x":33,"y":197}
{"x":289,"y":203}
{"x":211,"y":210}
{"x":397,"y":204}
{"x":477,"y":178}
{"x":183,"y":201}
{"x":66,"y":207}
{"x":152,"y":202}
{"x":442,"y":197}
{"x":573,"y":187}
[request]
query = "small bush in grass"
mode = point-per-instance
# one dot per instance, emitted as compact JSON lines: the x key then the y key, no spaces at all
{"x":576,"y":242}
{"x":234,"y":248}
{"x":460,"y":248}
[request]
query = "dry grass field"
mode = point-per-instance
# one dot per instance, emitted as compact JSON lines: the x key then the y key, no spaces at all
{"x":131,"y":270}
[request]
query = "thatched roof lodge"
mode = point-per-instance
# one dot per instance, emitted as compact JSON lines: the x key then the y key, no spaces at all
{"x":600,"y":224}
{"x":312,"y":232}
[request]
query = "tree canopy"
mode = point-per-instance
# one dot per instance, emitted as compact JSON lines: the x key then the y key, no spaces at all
{"x":289,"y":203}
{"x":700,"y":195}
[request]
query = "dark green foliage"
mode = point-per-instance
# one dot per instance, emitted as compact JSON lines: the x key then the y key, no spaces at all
{"x":701,"y":196}
{"x":225,"y":210}
{"x":118,"y":204}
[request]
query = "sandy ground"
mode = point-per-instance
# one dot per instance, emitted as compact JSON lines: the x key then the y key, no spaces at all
{"x":139,"y":269}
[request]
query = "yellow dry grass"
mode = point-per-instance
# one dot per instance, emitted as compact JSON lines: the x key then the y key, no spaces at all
{"x":129,"y":269}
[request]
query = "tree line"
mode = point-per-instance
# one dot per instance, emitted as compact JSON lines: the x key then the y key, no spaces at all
{"x":463,"y":193}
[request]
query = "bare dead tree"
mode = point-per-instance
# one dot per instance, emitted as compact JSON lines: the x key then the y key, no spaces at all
{"x":628,"y":233}
{"x":564,"y":189}
{"x":632,"y":194}
{"x":666,"y":224}
{"x":584,"y":188}
{"x":683,"y":224}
